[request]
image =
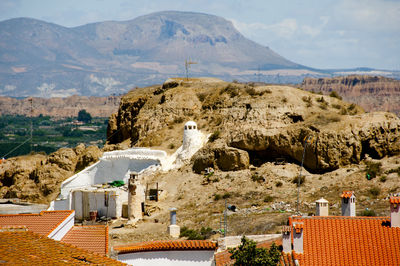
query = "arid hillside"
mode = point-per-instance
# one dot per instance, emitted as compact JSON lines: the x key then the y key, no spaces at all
{"x":373,"y":93}
{"x":256,"y":144}
{"x":60,"y":107}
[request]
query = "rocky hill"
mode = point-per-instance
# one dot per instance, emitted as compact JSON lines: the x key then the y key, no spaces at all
{"x":373,"y":93}
{"x":60,"y":107}
{"x":256,"y":145}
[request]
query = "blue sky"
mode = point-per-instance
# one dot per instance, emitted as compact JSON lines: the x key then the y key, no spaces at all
{"x":315,"y":33}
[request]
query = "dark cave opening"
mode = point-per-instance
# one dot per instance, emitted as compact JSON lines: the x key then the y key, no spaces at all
{"x":366,"y":149}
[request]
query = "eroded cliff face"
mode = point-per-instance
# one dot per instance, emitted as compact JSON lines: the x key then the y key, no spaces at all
{"x":265,"y":123}
{"x":60,"y":107}
{"x":37,"y":178}
{"x":373,"y":93}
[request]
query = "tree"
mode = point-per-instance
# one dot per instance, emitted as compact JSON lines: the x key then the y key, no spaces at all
{"x":84,"y":116}
{"x":248,"y":254}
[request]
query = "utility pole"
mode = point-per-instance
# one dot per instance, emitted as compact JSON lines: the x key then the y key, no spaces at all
{"x":225,"y":221}
{"x":187,"y":67}
{"x":307,"y":140}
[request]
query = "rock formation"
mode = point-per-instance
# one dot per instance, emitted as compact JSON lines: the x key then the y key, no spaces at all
{"x":373,"y":93}
{"x":37,"y":178}
{"x":267,"y":122}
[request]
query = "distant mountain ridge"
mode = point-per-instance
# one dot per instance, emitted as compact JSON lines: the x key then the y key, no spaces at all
{"x":43,"y":59}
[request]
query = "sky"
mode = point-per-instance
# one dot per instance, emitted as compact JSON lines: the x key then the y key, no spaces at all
{"x":322,"y":34}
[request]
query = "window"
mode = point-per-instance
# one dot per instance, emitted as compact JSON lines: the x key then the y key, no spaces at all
{"x":190,"y":127}
{"x":185,"y":127}
{"x":346,"y":200}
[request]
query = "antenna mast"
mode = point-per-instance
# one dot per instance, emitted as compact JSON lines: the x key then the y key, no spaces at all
{"x":187,"y":67}
{"x":31,"y":101}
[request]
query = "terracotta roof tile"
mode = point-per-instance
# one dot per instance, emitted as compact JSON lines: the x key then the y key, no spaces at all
{"x":89,"y":237}
{"x":167,"y":245}
{"x":340,"y":240}
{"x":395,"y":200}
{"x":347,"y":194}
{"x":28,"y":248}
{"x":42,"y":223}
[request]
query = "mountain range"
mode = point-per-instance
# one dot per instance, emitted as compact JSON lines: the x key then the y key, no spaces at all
{"x":43,"y":59}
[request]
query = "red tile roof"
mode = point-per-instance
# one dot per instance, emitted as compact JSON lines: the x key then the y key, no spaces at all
{"x":41,"y":223}
{"x":395,"y":200}
{"x":223,"y":258}
{"x":167,"y":245}
{"x":347,"y":194}
{"x":28,"y":248}
{"x":340,"y":240}
{"x":89,"y":237}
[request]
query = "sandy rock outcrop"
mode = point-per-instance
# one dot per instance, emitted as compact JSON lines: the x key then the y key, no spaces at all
{"x":221,"y":157}
{"x":267,"y":122}
{"x":37,"y":178}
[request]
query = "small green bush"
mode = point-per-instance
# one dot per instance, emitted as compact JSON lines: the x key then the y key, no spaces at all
{"x":307,"y":100}
{"x":226,"y":195}
{"x":334,"y":94}
{"x":217,"y":197}
{"x":295,"y":180}
{"x":268,"y":198}
{"x":192,"y":234}
{"x":257,"y":178}
{"x":336,"y":106}
{"x":374,"y":191}
{"x":368,"y":212}
{"x":382,"y":179}
{"x":373,"y":169}
{"x":214,"y":136}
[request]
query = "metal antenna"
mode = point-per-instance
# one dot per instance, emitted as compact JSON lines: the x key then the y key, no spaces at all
{"x":31,"y":101}
{"x":225,"y":221}
{"x":307,"y":140}
{"x":187,"y":67}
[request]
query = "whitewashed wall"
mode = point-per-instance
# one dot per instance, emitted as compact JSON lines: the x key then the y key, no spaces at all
{"x":169,"y":258}
{"x":59,"y":232}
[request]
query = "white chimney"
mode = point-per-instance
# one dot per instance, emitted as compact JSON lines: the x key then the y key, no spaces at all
{"x":395,"y":211}
{"x":348,"y":203}
{"x":134,"y":199}
{"x":298,"y":228}
{"x":174,"y":230}
{"x":286,"y":239}
{"x":322,"y":207}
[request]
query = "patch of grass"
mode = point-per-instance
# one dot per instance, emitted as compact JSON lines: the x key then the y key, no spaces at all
{"x":395,"y":170}
{"x":226,"y":195}
{"x":171,"y":146}
{"x":374,"y":191}
{"x":257,"y":178}
{"x":334,"y":94}
{"x":373,"y":169}
{"x":295,"y":180}
{"x":307,"y":100}
{"x":192,"y":234}
{"x":217,"y":197}
{"x":368,"y":212}
{"x":382,"y":179}
{"x":268,"y":198}
{"x":214,"y":136}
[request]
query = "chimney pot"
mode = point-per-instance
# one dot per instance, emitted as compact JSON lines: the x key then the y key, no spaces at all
{"x":394,"y":211}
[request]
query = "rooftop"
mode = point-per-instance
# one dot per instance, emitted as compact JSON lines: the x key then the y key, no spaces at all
{"x":167,"y":245}
{"x":344,"y":240}
{"x":42,"y":223}
{"x":89,"y":237}
{"x":28,"y":248}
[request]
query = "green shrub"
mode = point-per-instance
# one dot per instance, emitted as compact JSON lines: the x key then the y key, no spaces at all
{"x":201,"y":96}
{"x":323,"y":105}
{"x":214,"y":136}
{"x":257,"y":178}
{"x":335,"y":95}
{"x":307,"y":100}
{"x":295,"y":180}
{"x":382,"y":179}
{"x":178,"y":120}
{"x":192,"y":234}
{"x":217,"y":197}
{"x":336,"y":106}
{"x":226,"y":195}
{"x":368,"y":212}
{"x":321,"y":100}
{"x":373,"y":169}
{"x":268,"y":198}
{"x":374,"y":191}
